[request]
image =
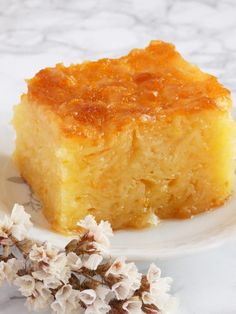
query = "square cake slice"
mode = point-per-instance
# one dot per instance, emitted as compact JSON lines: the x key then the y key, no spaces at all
{"x":126,"y":139}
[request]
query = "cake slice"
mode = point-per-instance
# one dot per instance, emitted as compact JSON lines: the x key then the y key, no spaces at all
{"x":126,"y":139}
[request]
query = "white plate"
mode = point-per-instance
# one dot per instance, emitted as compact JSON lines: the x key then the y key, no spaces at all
{"x":168,"y":239}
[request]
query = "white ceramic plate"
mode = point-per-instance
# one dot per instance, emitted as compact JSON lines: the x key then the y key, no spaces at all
{"x":168,"y":239}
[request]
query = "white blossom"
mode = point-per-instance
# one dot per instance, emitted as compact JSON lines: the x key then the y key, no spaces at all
{"x":87,"y":296}
{"x":100,"y":304}
{"x":40,"y":299}
{"x":17,"y":225}
{"x":104,"y":293}
{"x":117,"y":267}
{"x":49,"y":280}
{"x":66,"y":301}
{"x":158,"y":292}
{"x":58,"y":267}
{"x":101,"y":233}
{"x":121,"y":289}
{"x":98,"y":307}
{"x":50,"y":265}
{"x":20,"y":222}
{"x":74,"y":261}
{"x":5,"y":226}
{"x":38,"y":254}
{"x":9,"y":269}
{"x":43,"y":253}
{"x":92,"y":261}
{"x":128,"y":275}
{"x":133,"y":276}
{"x":148,"y":298}
{"x":133,"y":306}
{"x":153,"y":273}
{"x":26,"y":285}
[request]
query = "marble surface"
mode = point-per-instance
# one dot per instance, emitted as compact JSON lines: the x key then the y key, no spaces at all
{"x":35,"y":34}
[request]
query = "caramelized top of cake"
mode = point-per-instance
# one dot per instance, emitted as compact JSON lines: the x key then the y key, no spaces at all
{"x":154,"y":82}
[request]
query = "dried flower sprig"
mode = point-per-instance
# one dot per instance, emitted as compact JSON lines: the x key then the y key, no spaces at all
{"x":80,"y":279}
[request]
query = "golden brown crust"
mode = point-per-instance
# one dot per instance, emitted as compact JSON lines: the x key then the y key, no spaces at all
{"x":154,"y":81}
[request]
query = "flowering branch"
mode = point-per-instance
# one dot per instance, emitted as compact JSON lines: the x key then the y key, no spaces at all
{"x":80,"y":279}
